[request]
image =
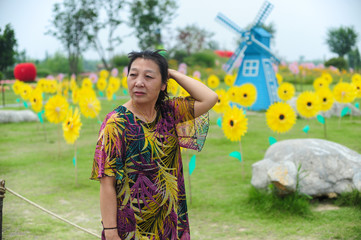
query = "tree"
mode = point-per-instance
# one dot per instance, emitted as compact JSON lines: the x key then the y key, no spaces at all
{"x":148,"y":17}
{"x":354,"y":59}
{"x":193,"y":38}
{"x":112,"y":21}
{"x":7,"y":47}
{"x":341,"y":40}
{"x":72,"y":23}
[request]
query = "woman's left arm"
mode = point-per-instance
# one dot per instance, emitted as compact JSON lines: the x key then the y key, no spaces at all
{"x":205,"y":98}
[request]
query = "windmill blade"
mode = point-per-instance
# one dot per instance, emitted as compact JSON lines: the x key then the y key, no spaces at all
{"x":254,"y":40}
{"x":237,"y":55}
{"x":229,"y":23}
{"x":262,"y":14}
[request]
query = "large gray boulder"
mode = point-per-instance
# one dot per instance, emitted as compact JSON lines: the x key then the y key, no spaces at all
{"x":318,"y":167}
{"x":8,"y":116}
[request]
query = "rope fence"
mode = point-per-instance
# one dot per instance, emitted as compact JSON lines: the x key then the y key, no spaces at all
{"x":43,"y":209}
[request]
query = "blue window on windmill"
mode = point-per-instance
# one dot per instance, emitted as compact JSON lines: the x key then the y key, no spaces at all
{"x":250,"y":68}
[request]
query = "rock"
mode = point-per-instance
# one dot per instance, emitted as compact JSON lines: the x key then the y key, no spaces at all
{"x":319,"y":166}
{"x":335,"y":110}
{"x":9,"y":116}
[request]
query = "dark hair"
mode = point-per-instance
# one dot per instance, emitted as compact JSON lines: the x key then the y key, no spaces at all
{"x":163,"y":68}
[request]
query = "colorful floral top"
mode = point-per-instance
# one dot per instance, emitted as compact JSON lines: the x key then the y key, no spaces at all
{"x":146,"y":161}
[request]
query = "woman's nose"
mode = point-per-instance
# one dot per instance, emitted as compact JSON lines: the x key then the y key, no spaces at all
{"x":139,"y":82}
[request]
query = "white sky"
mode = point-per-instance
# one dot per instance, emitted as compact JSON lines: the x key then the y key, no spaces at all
{"x":301,"y":25}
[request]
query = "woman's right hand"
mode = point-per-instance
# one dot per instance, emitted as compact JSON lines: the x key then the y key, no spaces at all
{"x":111,"y":234}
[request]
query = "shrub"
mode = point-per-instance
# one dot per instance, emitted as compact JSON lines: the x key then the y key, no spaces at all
{"x":120,"y":61}
{"x":352,"y":199}
{"x":204,"y":59}
{"x":339,"y":62}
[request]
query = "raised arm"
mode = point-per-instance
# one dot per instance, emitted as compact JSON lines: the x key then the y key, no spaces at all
{"x":205,"y":98}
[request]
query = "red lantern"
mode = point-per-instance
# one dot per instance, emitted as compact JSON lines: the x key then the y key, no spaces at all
{"x":25,"y":72}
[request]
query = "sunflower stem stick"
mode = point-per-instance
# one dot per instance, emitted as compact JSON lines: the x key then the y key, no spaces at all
{"x":75,"y":165}
{"x":242,"y":162}
{"x":325,"y":129}
{"x":59,"y":133}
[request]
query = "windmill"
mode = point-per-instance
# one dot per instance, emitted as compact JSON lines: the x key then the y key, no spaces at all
{"x":254,"y":58}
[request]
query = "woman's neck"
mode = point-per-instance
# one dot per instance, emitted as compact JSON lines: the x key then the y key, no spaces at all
{"x":145,"y":112}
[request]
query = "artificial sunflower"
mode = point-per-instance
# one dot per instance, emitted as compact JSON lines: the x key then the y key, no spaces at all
{"x":75,"y":95}
{"x":71,"y":126}
{"x":222,"y":104}
{"x":213,"y":81}
{"x":25,"y":92}
{"x":280,"y":117}
{"x":124,"y":82}
{"x":233,"y":94}
{"x":172,"y":86}
{"x":73,"y":84}
{"x":36,"y":100}
{"x":234,"y":124}
{"x":326,"y":98}
{"x":114,"y":83}
{"x":344,"y":92}
{"x":247,"y":94}
{"x":41,"y":84}
{"x":327,"y":76}
{"x":319,"y":83}
{"x":279,"y":78}
{"x":52,"y":86}
{"x":104,"y":73}
{"x":286,"y":91}
{"x":182,"y":92}
{"x":87,"y":83}
{"x":229,"y":80}
{"x":89,"y":106}
{"x":17,"y":87}
{"x":109,"y":92}
{"x":356,"y":77}
{"x":357,"y":87}
{"x":56,"y":109}
{"x":101,"y":83}
{"x":308,"y":104}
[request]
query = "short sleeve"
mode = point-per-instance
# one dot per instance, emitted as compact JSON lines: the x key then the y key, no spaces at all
{"x":192,"y":132}
{"x":108,"y":150}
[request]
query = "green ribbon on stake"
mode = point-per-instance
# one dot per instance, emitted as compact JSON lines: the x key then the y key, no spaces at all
{"x":192,"y":164}
{"x":237,"y":155}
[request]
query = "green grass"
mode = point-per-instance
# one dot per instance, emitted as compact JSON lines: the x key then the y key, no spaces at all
{"x":40,"y":167}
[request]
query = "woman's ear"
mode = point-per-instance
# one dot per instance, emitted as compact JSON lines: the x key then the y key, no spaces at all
{"x":163,"y":87}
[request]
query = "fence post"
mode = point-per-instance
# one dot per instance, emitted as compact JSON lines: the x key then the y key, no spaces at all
{"x":2,"y":195}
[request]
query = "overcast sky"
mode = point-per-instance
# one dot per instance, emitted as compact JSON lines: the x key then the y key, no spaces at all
{"x":301,"y":25}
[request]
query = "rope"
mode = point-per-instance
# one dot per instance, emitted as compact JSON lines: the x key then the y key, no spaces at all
{"x":51,"y":213}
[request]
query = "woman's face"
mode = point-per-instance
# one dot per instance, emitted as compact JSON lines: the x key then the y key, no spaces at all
{"x":144,"y":81}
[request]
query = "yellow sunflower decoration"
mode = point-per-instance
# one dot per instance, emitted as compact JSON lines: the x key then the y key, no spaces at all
{"x":344,"y":92}
{"x":327,"y":76}
{"x":326,"y":98}
{"x":182,"y":92}
{"x":233,"y":94}
{"x":52,"y":86}
{"x":229,"y":80}
{"x":247,"y":94}
{"x":75,"y":95}
{"x":356,"y":77}
{"x":25,"y":92}
{"x":87,"y":83}
{"x":124,"y":82}
{"x":279,"y":78}
{"x":286,"y":91}
{"x":41,"y":84}
{"x":222,"y":104}
{"x":56,"y":109}
{"x":73,"y":84}
{"x":104,"y":73}
{"x":172,"y":86}
{"x":280,"y":117}
{"x":213,"y":81}
{"x":101,"y":84}
{"x":109,"y":92}
{"x":114,"y":83}
{"x":36,"y":100}
{"x":357,"y":87}
{"x":234,"y":124}
{"x":71,"y":126}
{"x":308,"y":104}
{"x":17,"y":87}
{"x":89,"y":106}
{"x":319,"y":83}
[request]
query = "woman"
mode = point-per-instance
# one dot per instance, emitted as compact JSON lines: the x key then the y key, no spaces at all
{"x":137,"y":157}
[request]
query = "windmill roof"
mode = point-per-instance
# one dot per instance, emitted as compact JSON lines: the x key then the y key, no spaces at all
{"x":262,"y":32}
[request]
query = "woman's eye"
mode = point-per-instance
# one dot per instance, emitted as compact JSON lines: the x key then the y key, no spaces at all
{"x":149,"y":76}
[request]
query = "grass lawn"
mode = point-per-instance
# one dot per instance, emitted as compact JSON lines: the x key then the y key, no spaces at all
{"x":39,"y":167}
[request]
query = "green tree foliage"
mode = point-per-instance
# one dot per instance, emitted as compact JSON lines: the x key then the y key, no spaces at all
{"x":204,"y":58}
{"x":58,"y":63}
{"x":341,"y":40}
{"x":148,"y":17}
{"x":193,"y":39}
{"x":120,"y":61}
{"x":7,"y":47}
{"x":72,"y":23}
{"x":112,"y":20}
{"x":354,"y":59}
{"x":339,"y":62}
